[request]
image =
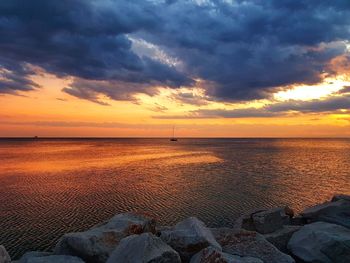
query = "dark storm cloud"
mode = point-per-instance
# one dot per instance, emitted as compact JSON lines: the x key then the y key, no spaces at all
{"x":247,"y":48}
{"x":84,"y":39}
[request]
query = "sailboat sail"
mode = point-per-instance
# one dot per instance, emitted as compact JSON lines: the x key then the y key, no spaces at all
{"x":173,"y":139}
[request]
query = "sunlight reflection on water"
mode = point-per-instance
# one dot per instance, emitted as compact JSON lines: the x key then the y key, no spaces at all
{"x":50,"y":187}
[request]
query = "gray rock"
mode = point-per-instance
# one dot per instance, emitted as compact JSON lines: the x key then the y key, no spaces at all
{"x":32,"y":254}
{"x":281,"y":237}
{"x":145,"y":248}
{"x":246,"y":221}
{"x":321,"y":242}
{"x":340,"y":197}
{"x":213,"y":255}
{"x":4,"y":256}
{"x":189,"y":237}
{"x":270,"y":220}
{"x":249,"y":244}
{"x":96,"y":244}
{"x":298,"y":221}
{"x":337,"y":212}
{"x":53,"y":259}
{"x":265,"y":221}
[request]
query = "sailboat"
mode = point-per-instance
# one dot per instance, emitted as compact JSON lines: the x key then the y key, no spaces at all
{"x":173,"y":139}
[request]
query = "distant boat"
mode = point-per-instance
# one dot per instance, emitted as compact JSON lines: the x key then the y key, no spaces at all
{"x":173,"y":139}
{"x":36,"y":137}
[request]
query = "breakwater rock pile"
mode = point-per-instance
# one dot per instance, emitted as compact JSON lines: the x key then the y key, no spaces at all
{"x":318,"y":234}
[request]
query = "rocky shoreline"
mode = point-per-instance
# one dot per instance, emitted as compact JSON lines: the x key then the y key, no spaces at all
{"x":319,"y":234}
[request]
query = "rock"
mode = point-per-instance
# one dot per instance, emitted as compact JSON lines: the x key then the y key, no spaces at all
{"x":298,"y":221}
{"x":340,"y":197}
{"x":4,"y":256}
{"x":51,"y":259}
{"x":145,"y":248}
{"x":189,"y":237}
{"x":249,"y":244}
{"x":321,"y":242}
{"x":269,"y":221}
{"x":337,"y":212}
{"x":96,"y":244}
{"x":281,"y":237}
{"x":213,"y":255}
{"x":265,"y":221}
{"x":32,"y":254}
{"x":246,"y":221}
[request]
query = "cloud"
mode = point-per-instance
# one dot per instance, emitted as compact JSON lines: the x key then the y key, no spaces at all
{"x":247,"y":49}
{"x":344,"y":90}
{"x":338,"y":104}
{"x":83,"y":39}
{"x":330,"y":104}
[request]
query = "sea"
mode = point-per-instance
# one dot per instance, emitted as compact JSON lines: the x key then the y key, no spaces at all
{"x":51,"y":186}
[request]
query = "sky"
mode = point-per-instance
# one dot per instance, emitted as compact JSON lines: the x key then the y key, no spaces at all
{"x":211,"y":68}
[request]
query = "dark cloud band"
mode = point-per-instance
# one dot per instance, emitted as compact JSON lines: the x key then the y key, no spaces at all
{"x":248,"y":49}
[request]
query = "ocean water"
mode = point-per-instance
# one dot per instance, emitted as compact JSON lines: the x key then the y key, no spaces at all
{"x":52,"y":186}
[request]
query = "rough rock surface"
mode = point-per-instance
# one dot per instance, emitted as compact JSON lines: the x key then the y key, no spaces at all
{"x":337,"y":212}
{"x":4,"y":256}
{"x":281,"y":237}
{"x":96,"y":244}
{"x":145,"y":248}
{"x":265,"y":221}
{"x":321,"y":242}
{"x":249,"y":244}
{"x":213,"y":255}
{"x":32,"y":254}
{"x":189,"y":237}
{"x":53,"y":259}
{"x":341,"y":197}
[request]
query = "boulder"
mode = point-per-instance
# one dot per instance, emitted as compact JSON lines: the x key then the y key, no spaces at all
{"x":281,"y":237}
{"x":52,"y":259}
{"x":96,"y":244}
{"x":249,"y":244}
{"x":189,"y":237}
{"x":246,"y":221}
{"x":265,"y":221}
{"x":213,"y":255}
{"x":32,"y":254}
{"x":270,"y":220}
{"x":340,"y":197}
{"x":145,"y":248}
{"x":321,"y":242}
{"x":337,"y":212}
{"x":4,"y":256}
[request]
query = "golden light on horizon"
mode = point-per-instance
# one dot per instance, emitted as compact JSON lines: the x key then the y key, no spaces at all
{"x":307,"y":92}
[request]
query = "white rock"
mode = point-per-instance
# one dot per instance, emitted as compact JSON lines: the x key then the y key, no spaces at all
{"x":96,"y":244}
{"x":189,"y":237}
{"x":145,"y":248}
{"x":4,"y":256}
{"x":249,"y":244}
{"x":337,"y":212}
{"x":213,"y":255}
{"x":321,"y":242}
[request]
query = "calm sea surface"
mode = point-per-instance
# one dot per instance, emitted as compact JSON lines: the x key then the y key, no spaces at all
{"x":50,"y":187}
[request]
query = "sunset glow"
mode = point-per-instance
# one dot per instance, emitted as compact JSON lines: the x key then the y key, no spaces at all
{"x":196,"y":99}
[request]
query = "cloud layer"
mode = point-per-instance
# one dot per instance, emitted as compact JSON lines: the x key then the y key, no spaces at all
{"x":246,"y":49}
